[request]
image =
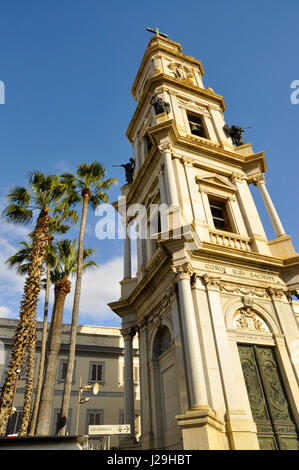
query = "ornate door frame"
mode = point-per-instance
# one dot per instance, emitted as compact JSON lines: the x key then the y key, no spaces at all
{"x":250,"y":325}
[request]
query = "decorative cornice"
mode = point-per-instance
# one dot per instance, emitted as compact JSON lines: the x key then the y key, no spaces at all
{"x":156,"y":314}
{"x":217,"y":283}
{"x":243,"y":290}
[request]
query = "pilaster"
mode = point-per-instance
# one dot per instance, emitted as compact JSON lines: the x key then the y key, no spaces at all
{"x":288,"y":324}
{"x":240,"y":430}
{"x":147,"y":435}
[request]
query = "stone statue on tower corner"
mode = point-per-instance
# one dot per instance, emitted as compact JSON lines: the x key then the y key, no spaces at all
{"x":159,"y":105}
{"x":235,"y":132}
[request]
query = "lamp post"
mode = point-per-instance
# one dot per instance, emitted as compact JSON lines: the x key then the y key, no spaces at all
{"x":95,"y":390}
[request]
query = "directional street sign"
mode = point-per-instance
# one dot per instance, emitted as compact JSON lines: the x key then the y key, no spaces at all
{"x":109,"y":429}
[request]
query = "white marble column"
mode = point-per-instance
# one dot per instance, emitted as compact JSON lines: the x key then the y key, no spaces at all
{"x":169,"y":176}
{"x":127,"y":251}
{"x":128,"y":335}
{"x":260,"y":182}
{"x":162,"y":186}
{"x":195,"y":373}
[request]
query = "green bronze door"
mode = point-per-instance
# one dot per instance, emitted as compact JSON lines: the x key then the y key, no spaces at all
{"x":268,"y":400}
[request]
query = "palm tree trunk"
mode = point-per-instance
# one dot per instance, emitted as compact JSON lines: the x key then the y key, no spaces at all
{"x":43,"y":355}
{"x":30,"y":369}
{"x":71,"y":358}
{"x":62,"y":288}
{"x":27,"y":316}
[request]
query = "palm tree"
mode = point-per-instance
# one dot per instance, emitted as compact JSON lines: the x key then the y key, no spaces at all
{"x":67,"y":264}
{"x":45,"y":194}
{"x":90,"y":186}
{"x":20,"y":261}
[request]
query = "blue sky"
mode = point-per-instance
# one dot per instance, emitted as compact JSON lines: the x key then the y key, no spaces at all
{"x":68,"y":67}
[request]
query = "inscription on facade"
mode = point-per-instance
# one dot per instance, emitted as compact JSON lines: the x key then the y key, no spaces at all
{"x":215,"y":267}
{"x":240,"y":272}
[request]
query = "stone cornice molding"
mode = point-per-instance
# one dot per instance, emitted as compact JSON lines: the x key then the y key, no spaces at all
{"x":243,"y":290}
{"x":193,"y":105}
{"x":156,"y":314}
{"x":213,"y":282}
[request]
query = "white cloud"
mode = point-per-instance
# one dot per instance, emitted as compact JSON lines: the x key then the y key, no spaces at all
{"x":5,"y":312}
{"x":63,"y":166}
{"x":11,"y":284}
{"x":99,"y":287}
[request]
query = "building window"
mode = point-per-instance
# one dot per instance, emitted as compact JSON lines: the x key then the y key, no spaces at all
{"x":14,"y":423}
{"x":163,"y":341}
{"x":196,"y":125}
{"x":137,"y":424}
{"x":121,"y":417}
{"x":136,"y":374}
{"x":63,"y":369}
{"x":95,"y":417}
{"x":56,"y":421}
{"x":122,"y":374}
{"x":97,"y":372}
{"x":220,"y":214}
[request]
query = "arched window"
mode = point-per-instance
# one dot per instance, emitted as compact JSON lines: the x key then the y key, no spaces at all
{"x":162,"y":341}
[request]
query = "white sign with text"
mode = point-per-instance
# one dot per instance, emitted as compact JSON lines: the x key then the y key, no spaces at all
{"x":109,"y":429}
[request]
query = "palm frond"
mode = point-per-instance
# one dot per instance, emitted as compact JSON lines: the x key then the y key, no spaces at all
{"x":17,"y":214}
{"x":89,"y":265}
{"x":19,"y":196}
{"x":57,"y":227}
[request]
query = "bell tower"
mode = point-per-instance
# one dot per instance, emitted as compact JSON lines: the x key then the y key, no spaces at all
{"x":212,"y":299}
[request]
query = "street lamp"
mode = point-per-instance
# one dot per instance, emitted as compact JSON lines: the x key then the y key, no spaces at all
{"x":81,"y":400}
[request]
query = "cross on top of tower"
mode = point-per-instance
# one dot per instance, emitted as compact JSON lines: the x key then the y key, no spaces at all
{"x":157,"y":32}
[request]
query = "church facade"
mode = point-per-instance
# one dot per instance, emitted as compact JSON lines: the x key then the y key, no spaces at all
{"x":212,"y":302}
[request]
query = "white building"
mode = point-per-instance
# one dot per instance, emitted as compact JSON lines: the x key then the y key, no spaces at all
{"x":212,"y":297}
{"x":99,"y":358}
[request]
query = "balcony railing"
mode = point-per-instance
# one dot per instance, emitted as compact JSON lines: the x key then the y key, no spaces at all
{"x":231,"y":240}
